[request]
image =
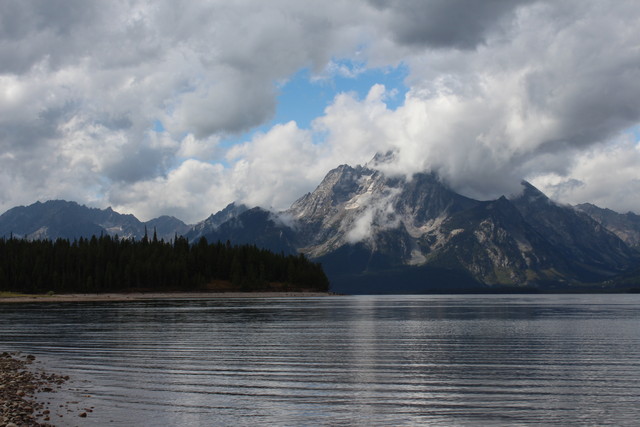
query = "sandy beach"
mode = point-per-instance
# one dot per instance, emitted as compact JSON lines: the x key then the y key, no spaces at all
{"x":140,"y":296}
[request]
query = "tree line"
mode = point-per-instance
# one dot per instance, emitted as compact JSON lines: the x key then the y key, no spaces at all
{"x":110,"y":264}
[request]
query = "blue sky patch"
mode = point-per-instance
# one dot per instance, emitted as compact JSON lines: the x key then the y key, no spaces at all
{"x":304,"y":97}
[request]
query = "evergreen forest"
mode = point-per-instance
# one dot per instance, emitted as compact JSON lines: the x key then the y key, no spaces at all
{"x":110,"y":264}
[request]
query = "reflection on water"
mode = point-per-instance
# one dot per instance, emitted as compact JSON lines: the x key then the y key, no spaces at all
{"x":374,"y":360}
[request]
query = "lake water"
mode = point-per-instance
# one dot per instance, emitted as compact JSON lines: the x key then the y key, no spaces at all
{"x":362,"y":360}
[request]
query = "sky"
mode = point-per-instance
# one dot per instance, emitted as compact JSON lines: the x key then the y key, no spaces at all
{"x":181,"y":107}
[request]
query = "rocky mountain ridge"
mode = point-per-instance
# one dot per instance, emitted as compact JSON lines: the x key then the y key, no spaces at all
{"x":625,"y":226}
{"x":383,"y":234}
{"x":386,"y":227}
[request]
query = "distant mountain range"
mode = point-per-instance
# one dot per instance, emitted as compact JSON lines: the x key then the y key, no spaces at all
{"x":61,"y":219}
{"x":379,"y":234}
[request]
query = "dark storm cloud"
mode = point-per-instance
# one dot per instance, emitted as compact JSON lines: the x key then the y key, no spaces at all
{"x":56,"y":30}
{"x":460,"y":24}
{"x":60,"y":33}
{"x":140,"y":163}
{"x":20,"y":19}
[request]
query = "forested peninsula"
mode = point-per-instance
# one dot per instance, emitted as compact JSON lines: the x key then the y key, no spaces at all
{"x":110,"y":264}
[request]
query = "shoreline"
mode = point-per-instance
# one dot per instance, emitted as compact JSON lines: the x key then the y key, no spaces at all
{"x":20,"y":386}
{"x":142,"y":296}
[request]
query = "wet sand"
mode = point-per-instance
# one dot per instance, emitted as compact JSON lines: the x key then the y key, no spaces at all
{"x":141,"y":296}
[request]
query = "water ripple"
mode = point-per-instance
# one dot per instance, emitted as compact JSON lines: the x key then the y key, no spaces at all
{"x":441,"y":360}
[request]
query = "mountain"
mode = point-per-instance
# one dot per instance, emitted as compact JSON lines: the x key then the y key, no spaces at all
{"x":359,"y":204}
{"x":625,"y":226}
{"x":69,"y":220}
{"x":374,"y":233}
{"x":257,"y":227}
{"x":574,"y":235}
{"x":61,"y":219}
{"x":211,"y":224}
{"x":166,"y":227}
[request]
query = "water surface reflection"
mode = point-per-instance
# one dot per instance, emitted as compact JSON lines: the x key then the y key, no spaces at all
{"x":375,"y":360}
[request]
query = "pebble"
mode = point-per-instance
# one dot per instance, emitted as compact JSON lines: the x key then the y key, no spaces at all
{"x":18,"y":386}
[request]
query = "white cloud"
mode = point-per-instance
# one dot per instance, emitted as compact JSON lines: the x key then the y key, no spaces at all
{"x":204,"y":149}
{"x":498,"y":91}
{"x":524,"y":102}
{"x":362,"y":226}
{"x":190,"y":192}
{"x":606,"y":175}
{"x":271,"y":170}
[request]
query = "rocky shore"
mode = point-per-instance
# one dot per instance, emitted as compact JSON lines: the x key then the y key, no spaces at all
{"x":19,"y":385}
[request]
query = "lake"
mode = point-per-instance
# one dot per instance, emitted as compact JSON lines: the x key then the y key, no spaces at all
{"x":353,"y":360}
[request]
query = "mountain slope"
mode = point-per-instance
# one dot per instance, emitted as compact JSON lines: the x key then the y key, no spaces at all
{"x":211,"y":224}
{"x":574,"y":234}
{"x":625,"y":226}
{"x":256,"y":227}
{"x":167,"y":227}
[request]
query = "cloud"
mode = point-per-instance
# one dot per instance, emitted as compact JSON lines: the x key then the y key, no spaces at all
{"x":444,"y":23}
{"x":190,"y":192}
{"x":376,"y":211}
{"x":122,"y":103}
{"x":235,"y":104}
{"x":204,"y":149}
{"x":361,"y":229}
{"x":606,"y":175}
{"x":526,"y":101}
{"x":84,"y":83}
{"x":275,"y":168}
{"x":270,"y":170}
